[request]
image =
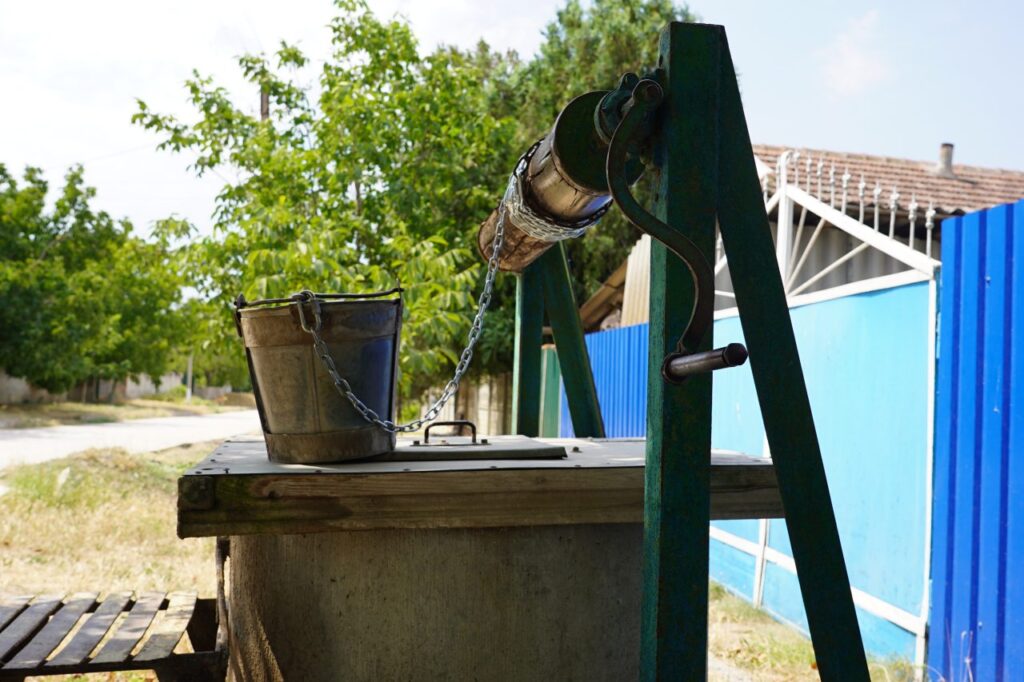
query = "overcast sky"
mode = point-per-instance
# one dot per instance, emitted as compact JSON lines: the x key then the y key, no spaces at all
{"x":882,"y":78}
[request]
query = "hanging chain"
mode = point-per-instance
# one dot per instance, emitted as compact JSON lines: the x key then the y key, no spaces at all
{"x":345,"y":389}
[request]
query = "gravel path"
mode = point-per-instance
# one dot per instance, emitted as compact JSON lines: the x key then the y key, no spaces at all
{"x":29,"y":446}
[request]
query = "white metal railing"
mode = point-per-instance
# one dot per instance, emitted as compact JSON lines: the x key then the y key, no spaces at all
{"x":822,"y":191}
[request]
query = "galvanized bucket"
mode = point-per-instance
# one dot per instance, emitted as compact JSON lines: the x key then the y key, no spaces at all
{"x":305,"y":419}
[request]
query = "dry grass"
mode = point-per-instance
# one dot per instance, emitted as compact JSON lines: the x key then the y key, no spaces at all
{"x":752,"y":641}
{"x":24,"y":416}
{"x":101,"y":521}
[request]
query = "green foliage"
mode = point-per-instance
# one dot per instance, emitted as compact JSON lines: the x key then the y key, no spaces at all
{"x":584,"y":50}
{"x":379,"y":174}
{"x":377,"y":183}
{"x":82,"y":297}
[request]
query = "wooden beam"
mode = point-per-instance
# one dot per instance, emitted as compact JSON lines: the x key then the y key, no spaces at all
{"x":677,"y":507}
{"x":605,"y":299}
{"x":526,"y":372}
{"x":782,"y":394}
{"x":573,"y":358}
{"x":241,"y":492}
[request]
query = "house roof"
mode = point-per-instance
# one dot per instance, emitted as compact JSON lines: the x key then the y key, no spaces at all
{"x":969,"y":189}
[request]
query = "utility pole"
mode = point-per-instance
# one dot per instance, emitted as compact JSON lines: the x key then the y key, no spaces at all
{"x":188,"y":379}
{"x":264,"y":104}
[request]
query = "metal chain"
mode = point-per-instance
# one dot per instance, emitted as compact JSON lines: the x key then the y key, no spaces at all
{"x":467,"y":354}
{"x":540,"y":225}
{"x":512,"y":204}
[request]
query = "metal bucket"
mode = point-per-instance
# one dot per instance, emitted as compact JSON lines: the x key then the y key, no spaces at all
{"x":305,"y":419}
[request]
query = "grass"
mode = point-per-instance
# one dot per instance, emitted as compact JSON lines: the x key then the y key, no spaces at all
{"x":750,"y":640}
{"x":101,"y":521}
{"x":29,"y":415}
{"x":104,"y":520}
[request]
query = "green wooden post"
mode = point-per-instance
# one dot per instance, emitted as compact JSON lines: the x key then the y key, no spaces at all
{"x":526,"y":373}
{"x":550,"y":396}
{"x":782,"y":394}
{"x":677,"y":507}
{"x":564,"y":316}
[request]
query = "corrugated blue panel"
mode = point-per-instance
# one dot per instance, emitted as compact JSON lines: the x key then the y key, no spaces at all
{"x":619,"y":361}
{"x":1013,"y":513}
{"x":946,"y":410}
{"x":865,"y":359}
{"x":977,"y":624}
{"x":732,"y":568}
{"x":748,"y":529}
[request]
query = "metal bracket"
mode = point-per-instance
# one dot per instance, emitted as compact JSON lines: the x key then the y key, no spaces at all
{"x":632,"y":130}
{"x":456,"y":422}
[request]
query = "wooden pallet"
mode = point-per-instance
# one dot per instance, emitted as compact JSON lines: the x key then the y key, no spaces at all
{"x":151,"y":624}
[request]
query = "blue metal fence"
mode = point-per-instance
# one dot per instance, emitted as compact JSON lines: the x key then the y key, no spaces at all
{"x":619,"y":361}
{"x":977,"y":624}
{"x":867,"y":361}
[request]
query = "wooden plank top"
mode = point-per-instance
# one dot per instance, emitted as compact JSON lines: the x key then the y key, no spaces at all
{"x":238,"y":491}
{"x":94,"y":629}
{"x":169,"y":631}
{"x":11,"y":607}
{"x":118,"y":647}
{"x":247,"y":455}
{"x":53,"y":633}
{"x":28,"y":623}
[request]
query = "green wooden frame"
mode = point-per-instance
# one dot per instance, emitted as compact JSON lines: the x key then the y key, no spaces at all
{"x":550,"y":273}
{"x":526,"y":380}
{"x":707,"y":179}
{"x":708,"y":174}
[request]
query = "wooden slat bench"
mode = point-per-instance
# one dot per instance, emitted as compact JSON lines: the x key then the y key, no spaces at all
{"x":56,"y":635}
{"x":32,"y":628}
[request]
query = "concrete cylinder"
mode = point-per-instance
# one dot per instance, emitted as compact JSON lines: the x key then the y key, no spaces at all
{"x":526,"y":603}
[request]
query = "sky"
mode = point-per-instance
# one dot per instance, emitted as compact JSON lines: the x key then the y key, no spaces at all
{"x":896,"y":79}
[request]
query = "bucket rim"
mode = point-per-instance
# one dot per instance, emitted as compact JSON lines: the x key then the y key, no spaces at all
{"x":241,"y":303}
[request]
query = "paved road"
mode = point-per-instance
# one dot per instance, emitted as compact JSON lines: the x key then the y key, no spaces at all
{"x":21,"y":446}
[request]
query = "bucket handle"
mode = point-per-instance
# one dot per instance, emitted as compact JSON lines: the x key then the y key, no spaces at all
{"x":457,"y":422}
{"x":306,"y":296}
{"x":240,"y":302}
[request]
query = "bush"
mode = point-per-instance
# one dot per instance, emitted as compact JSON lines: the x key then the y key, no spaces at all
{"x":175,"y":394}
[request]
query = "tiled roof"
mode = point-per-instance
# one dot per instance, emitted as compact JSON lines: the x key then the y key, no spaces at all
{"x":971,"y":189}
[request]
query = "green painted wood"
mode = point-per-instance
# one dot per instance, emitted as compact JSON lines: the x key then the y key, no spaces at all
{"x":782,"y":394}
{"x":526,"y":374}
{"x":677,"y":503}
{"x":573,"y":359}
{"x":550,"y":395}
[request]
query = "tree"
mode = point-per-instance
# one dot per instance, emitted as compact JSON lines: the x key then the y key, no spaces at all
{"x":380,"y":174}
{"x":83,"y":298}
{"x":376,"y":182}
